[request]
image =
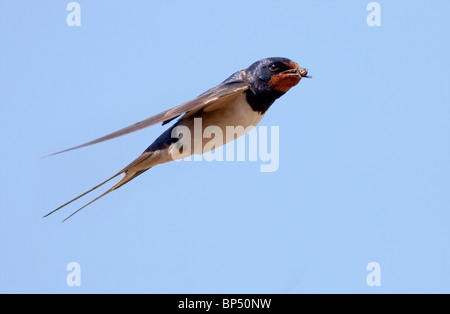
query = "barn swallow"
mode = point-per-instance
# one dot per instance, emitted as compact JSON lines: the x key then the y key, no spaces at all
{"x":241,"y":100}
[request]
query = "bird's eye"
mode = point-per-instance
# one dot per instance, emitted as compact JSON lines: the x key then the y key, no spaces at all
{"x":273,"y":67}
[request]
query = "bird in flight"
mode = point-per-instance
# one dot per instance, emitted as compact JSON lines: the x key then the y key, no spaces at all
{"x":240,"y":100}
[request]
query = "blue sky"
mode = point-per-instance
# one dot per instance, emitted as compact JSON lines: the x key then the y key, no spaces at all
{"x":364,"y":173}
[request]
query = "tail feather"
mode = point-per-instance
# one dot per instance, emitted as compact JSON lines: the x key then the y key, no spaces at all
{"x":130,"y":174}
{"x":127,"y":178}
{"x":111,"y":189}
{"x":81,"y":195}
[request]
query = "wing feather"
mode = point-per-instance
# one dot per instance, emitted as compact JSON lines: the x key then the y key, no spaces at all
{"x":236,"y":83}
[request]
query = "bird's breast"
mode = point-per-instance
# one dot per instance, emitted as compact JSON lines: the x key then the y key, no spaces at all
{"x":216,"y":126}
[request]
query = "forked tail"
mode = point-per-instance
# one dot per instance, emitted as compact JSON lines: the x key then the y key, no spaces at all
{"x":128,"y":177}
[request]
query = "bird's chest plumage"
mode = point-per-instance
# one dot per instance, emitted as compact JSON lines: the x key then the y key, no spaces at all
{"x":237,"y":113}
{"x":221,"y":124}
{"x":205,"y":130}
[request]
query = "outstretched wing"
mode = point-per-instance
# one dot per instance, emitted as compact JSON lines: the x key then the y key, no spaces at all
{"x":236,"y":83}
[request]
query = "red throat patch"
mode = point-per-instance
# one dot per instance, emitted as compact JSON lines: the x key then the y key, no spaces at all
{"x":283,"y":82}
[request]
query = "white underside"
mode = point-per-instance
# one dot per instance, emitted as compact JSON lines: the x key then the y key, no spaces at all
{"x":236,"y":117}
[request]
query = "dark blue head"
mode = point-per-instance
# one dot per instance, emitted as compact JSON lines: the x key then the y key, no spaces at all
{"x":270,"y":78}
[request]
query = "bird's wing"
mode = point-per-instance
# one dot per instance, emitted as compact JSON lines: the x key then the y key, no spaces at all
{"x":235,"y":84}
